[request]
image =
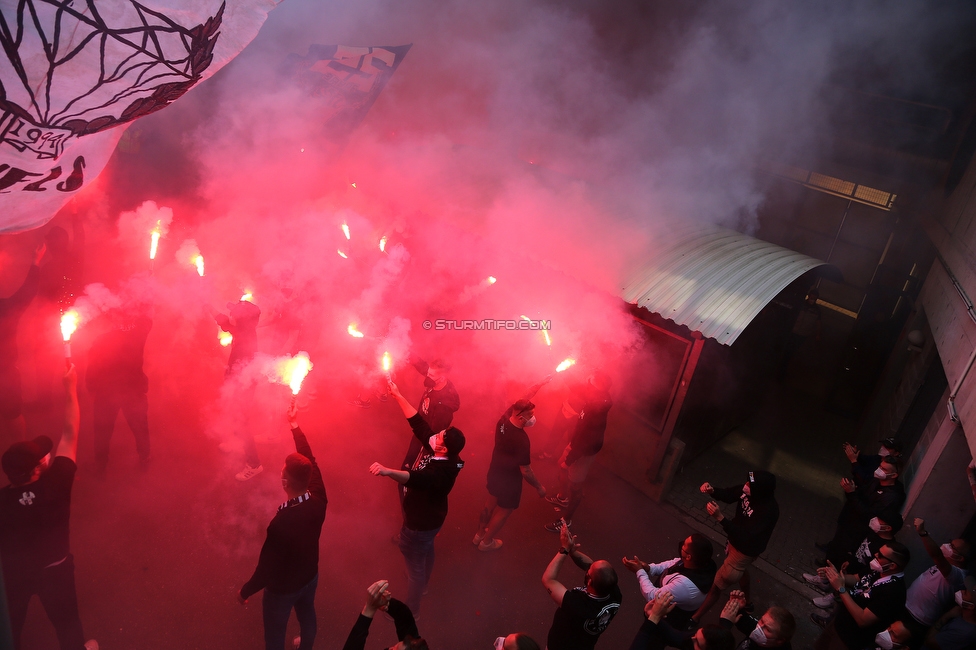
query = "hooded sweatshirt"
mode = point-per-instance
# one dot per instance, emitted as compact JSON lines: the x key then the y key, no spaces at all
{"x":755,"y":516}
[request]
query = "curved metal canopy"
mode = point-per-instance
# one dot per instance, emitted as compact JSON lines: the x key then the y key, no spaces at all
{"x":714,"y":280}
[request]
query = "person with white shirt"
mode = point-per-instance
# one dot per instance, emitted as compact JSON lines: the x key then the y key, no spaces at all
{"x":687,"y":577}
{"x":932,"y":593}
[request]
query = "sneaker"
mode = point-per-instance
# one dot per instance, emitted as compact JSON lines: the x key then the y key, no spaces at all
{"x":558,"y":501}
{"x":817,"y":581}
{"x":822,"y":620}
{"x":361,"y":403}
{"x":480,"y":535}
{"x":556,"y":526}
{"x":248,"y":472}
{"x":91,"y":644}
{"x":493,"y":545}
{"x":824,"y":602}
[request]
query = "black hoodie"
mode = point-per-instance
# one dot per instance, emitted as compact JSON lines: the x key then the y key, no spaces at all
{"x":755,"y":516}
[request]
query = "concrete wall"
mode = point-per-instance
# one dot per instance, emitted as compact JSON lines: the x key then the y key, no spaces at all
{"x":951,"y":225}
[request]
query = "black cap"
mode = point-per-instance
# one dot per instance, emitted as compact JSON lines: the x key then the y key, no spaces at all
{"x":21,"y":458}
{"x":892,"y":444}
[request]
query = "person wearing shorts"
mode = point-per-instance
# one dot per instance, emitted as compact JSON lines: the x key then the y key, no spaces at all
{"x":748,"y":532}
{"x":510,"y":465}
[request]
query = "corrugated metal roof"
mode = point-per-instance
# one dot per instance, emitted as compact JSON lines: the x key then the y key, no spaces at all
{"x":714,"y":280}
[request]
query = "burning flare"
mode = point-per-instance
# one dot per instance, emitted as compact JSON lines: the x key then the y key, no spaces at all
{"x":354,"y":332}
{"x":492,"y":279}
{"x":247,"y":296}
{"x":294,"y":370}
{"x":154,"y":244}
{"x":198,"y":261}
{"x":345,"y":230}
{"x":69,"y":323}
{"x":545,"y":333}
{"x":343,"y":255}
{"x":225,"y":338}
{"x":387,"y":364}
{"x":566,"y":363}
{"x":383,"y":244}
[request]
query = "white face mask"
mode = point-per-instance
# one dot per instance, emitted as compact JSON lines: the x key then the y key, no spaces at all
{"x":883,"y":452}
{"x":963,"y":603}
{"x":880,"y":474}
{"x":949,"y":552}
{"x":883,"y":640}
{"x":875,"y":565}
{"x":875,"y":524}
{"x":759,"y":636}
{"x":529,"y":423}
{"x":500,"y":643}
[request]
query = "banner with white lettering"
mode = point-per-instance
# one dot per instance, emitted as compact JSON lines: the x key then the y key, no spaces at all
{"x":73,"y":75}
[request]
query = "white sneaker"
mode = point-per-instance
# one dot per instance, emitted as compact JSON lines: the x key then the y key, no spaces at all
{"x":817,"y":581}
{"x":91,"y":644}
{"x":249,"y":472}
{"x":824,"y":602}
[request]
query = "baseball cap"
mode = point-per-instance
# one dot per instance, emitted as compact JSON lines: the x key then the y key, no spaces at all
{"x":21,"y":458}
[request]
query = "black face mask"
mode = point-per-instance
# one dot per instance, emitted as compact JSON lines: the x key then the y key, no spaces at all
{"x":429,"y":383}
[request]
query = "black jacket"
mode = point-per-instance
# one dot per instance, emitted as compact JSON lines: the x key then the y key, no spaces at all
{"x":425,"y":496}
{"x":290,"y":555}
{"x":755,"y":515}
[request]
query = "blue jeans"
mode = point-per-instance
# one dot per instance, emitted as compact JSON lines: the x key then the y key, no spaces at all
{"x":417,"y":547}
{"x":277,"y":611}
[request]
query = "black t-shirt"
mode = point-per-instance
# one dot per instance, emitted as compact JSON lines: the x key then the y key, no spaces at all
{"x":512,"y":451}
{"x":425,"y":492}
{"x":34,"y":518}
{"x":581,"y":619}
{"x":115,"y":358}
{"x":885,"y":597}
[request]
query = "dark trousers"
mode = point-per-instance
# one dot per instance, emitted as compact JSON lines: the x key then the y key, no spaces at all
{"x":134,"y":406}
{"x":55,"y":586}
{"x":417,"y":547}
{"x":277,"y":610}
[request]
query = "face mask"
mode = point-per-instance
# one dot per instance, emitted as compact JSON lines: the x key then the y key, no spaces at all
{"x":880,"y":474}
{"x":529,"y":423}
{"x":429,"y":383}
{"x":759,"y":637}
{"x":883,"y":640}
{"x":875,"y":525}
{"x":883,"y":452}
{"x":500,"y":643}
{"x":875,"y":565}
{"x":949,"y":552}
{"x":432,"y":441}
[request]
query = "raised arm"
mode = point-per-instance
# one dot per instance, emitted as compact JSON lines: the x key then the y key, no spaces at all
{"x":408,"y":410}
{"x":932,"y":548}
{"x":535,"y":388}
{"x":377,"y":597}
{"x":316,"y":485}
{"x":555,"y":588}
{"x":68,"y":446}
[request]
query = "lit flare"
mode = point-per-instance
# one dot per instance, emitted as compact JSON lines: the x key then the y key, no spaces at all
{"x":69,"y":323}
{"x":247,"y":296}
{"x":198,"y":261}
{"x":295,"y":370}
{"x":387,"y":364}
{"x":345,"y":231}
{"x":154,"y":244}
{"x":343,"y":255}
{"x":225,"y":338}
{"x":354,"y":331}
{"x":383,"y":244}
{"x":566,"y":363}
